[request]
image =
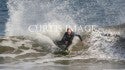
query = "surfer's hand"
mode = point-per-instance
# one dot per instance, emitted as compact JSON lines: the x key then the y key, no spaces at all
{"x":66,"y":42}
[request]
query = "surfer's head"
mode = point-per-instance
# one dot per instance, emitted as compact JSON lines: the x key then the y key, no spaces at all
{"x":69,"y":31}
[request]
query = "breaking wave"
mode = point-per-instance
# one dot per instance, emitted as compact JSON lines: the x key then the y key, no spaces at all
{"x":105,"y":42}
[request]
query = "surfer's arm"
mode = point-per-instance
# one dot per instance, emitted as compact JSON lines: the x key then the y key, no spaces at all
{"x":79,"y":36}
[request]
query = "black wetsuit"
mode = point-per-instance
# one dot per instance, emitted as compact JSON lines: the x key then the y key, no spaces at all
{"x":69,"y":39}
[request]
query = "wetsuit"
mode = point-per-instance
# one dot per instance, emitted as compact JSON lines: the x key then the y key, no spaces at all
{"x":68,"y":38}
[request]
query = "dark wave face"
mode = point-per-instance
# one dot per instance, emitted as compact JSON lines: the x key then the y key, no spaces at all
{"x":3,"y":16}
{"x":98,"y":12}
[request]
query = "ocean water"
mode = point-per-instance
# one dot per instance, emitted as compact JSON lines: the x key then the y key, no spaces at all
{"x":103,"y":47}
{"x":3,"y":16}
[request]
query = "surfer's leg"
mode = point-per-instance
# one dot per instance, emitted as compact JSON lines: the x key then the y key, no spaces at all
{"x":68,"y":44}
{"x":60,"y":43}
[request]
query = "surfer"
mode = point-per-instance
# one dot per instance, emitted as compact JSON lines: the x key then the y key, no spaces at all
{"x":67,"y":38}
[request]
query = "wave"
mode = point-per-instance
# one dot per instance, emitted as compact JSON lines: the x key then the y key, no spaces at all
{"x":102,"y":42}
